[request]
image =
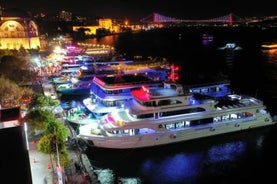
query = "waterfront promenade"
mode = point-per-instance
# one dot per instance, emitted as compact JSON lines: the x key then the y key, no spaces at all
{"x":80,"y":170}
{"x":43,"y":173}
{"x":40,"y":165}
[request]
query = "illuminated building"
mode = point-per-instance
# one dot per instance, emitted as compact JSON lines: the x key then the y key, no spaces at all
{"x":18,"y":30}
{"x":106,"y":23}
{"x":102,"y":24}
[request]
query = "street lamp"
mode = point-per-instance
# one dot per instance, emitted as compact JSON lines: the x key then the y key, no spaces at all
{"x":59,"y":168}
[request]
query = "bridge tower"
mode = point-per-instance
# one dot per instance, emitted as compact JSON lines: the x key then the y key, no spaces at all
{"x":231,"y":19}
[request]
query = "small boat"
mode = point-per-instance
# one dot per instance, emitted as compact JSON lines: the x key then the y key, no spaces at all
{"x":230,"y":47}
{"x":207,"y":38}
{"x":63,"y":79}
{"x":167,"y":115}
{"x":80,"y":116}
{"x":78,"y":88}
{"x":269,"y":45}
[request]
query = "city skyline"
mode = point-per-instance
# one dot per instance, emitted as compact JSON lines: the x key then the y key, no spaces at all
{"x":138,"y":9}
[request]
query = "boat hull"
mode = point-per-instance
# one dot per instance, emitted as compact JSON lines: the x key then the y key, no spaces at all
{"x":170,"y":137}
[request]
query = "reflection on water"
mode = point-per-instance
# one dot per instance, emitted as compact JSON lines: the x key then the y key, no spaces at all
{"x":215,"y":159}
{"x":228,"y":151}
{"x":106,"y":40}
{"x":173,"y":169}
{"x":270,"y":79}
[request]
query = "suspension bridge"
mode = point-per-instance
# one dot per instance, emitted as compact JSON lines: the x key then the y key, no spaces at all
{"x":157,"y":18}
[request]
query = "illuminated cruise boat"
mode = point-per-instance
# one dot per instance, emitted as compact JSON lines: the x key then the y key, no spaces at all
{"x":167,"y":115}
{"x":110,"y":92}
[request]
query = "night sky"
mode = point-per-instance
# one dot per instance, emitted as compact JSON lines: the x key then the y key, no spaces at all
{"x":138,"y":9}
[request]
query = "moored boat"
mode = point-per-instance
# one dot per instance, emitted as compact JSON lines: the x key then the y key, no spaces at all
{"x":63,"y":79}
{"x":80,"y":116}
{"x":112,"y":91}
{"x":230,"y":46}
{"x":78,"y":88}
{"x":167,"y":115}
{"x":269,"y":45}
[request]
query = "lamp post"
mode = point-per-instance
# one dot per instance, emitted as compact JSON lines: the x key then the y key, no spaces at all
{"x":59,"y":168}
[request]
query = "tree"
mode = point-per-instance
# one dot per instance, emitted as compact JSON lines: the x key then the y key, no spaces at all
{"x":37,"y":120}
{"x":81,"y":34}
{"x":53,"y":133}
{"x":50,"y":144}
{"x":54,"y":126}
{"x":11,"y":95}
{"x":17,"y":69}
{"x":45,"y":144}
{"x":52,"y":141}
{"x":102,"y":32}
{"x":40,"y":101}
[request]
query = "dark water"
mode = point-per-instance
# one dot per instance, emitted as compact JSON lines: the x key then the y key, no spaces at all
{"x":235,"y":158}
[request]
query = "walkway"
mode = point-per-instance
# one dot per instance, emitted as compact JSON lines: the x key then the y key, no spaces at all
{"x":42,"y":172}
{"x":79,"y":172}
{"x":40,"y":166}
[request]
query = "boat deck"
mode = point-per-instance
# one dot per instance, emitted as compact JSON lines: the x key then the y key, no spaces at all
{"x":236,"y":101}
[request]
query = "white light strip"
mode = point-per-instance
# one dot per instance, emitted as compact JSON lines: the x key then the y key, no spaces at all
{"x":26,"y":135}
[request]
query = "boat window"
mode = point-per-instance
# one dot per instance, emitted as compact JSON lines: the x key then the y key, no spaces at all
{"x":263,"y":111}
{"x":181,"y":112}
{"x":113,"y":91}
{"x":180,"y":124}
{"x":240,"y":115}
{"x":247,"y":114}
{"x":119,"y":103}
{"x":217,"y":119}
{"x":142,"y":116}
{"x":170,"y":126}
{"x":109,"y":103}
{"x":205,"y":90}
{"x":201,"y":121}
{"x":233,"y":116}
{"x":132,"y":131}
{"x":187,"y":123}
{"x":146,"y":131}
{"x":176,"y":125}
{"x":148,"y":104}
{"x":225,"y":117}
{"x":168,"y":102}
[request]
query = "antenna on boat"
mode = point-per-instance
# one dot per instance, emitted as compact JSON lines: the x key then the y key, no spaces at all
{"x":118,"y":77}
